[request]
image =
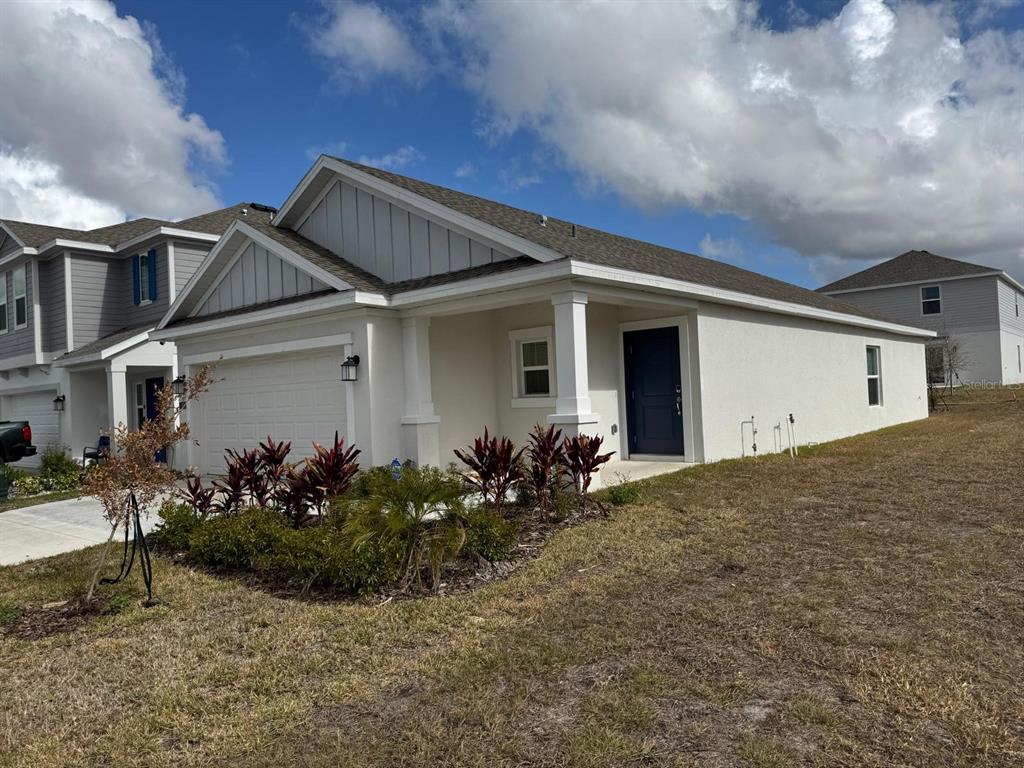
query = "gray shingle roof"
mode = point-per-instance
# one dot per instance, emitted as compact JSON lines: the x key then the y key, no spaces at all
{"x":95,"y":347}
{"x":212,"y":223}
{"x":594,"y":246}
{"x":909,"y":267}
{"x":330,"y":262}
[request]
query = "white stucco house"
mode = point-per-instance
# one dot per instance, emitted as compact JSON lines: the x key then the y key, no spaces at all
{"x":464,"y":313}
{"x":979,"y":308}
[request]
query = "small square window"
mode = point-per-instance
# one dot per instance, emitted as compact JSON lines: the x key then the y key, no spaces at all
{"x":931,"y":300}
{"x":533,"y":376}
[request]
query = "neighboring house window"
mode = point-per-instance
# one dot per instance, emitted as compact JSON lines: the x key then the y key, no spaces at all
{"x":1019,"y":363}
{"x":874,"y":376}
{"x":936,"y":363}
{"x":3,"y":302}
{"x":531,"y":351}
{"x":144,"y":277}
{"x":20,"y":297}
{"x":140,"y":405}
{"x":1016,"y":304}
{"x":931,"y":300}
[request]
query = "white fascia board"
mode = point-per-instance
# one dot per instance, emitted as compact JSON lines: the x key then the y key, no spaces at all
{"x":349,"y":299}
{"x":576,"y":269}
{"x":736,"y":298}
{"x":932,"y":281}
{"x":466,"y":225}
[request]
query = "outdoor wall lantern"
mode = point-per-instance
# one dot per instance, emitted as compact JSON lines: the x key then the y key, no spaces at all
{"x":348,"y":368}
{"x":58,"y":403}
{"x":179,"y":386}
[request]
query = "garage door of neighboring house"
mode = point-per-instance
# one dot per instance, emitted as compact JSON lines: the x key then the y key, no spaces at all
{"x":295,"y":396}
{"x":37,"y":409}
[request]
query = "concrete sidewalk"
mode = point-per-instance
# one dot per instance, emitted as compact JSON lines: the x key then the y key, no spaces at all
{"x":53,"y":528}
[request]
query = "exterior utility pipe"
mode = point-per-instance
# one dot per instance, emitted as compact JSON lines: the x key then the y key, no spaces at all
{"x":794,"y":448}
{"x":753,"y":437}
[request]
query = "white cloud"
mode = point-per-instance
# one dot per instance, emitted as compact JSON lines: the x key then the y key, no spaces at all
{"x":336,"y":148}
{"x":862,"y":136}
{"x":465,"y":170}
{"x":394,"y":161}
{"x":722,"y":249}
{"x":364,"y":41}
{"x":92,"y":125}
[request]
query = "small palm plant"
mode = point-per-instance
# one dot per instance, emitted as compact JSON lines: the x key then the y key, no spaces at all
{"x":420,"y":509}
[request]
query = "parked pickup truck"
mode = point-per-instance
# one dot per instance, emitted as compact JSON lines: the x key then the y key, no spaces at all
{"x":15,"y":441}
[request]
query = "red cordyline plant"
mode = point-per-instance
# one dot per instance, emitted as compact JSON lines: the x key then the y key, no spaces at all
{"x":247,"y":466}
{"x":582,"y":461}
{"x":496,"y":467}
{"x":545,"y":455}
{"x":130,"y":480}
{"x":199,"y":497}
{"x":330,"y":471}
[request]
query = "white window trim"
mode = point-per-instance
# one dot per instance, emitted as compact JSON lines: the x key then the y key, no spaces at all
{"x":24,"y":296}
{"x":878,"y":376}
{"x":144,"y":280}
{"x":140,"y":403}
{"x":516,"y":339}
{"x":3,"y":304}
{"x":923,"y":300}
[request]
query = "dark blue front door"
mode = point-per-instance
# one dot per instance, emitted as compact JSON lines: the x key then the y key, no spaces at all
{"x":153,"y":387}
{"x":653,"y":391}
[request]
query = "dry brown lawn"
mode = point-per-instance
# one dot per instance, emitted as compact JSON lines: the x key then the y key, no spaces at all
{"x":860,"y":606}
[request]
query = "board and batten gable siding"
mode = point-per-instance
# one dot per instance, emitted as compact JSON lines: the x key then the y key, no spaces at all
{"x":256,"y":277}
{"x":187,"y":258}
{"x":7,"y":244}
{"x":21,"y":341}
{"x":389,"y":241}
{"x":968,"y":305}
{"x":52,"y":305}
{"x":1009,"y":320}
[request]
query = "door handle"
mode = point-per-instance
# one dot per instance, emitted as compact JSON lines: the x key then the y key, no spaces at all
{"x":679,"y":405}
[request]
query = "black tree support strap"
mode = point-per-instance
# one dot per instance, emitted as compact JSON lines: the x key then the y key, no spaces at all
{"x":138,"y":543}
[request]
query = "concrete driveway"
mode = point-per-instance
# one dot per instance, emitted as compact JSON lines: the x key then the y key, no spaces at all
{"x":52,"y":528}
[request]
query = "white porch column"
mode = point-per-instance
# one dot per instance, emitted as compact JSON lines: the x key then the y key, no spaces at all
{"x":117,"y":397}
{"x":419,"y":422}
{"x":572,"y":405}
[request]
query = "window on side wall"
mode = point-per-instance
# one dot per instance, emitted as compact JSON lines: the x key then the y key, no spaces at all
{"x":931,"y":300}
{"x":140,"y":405}
{"x":144,"y":277}
{"x":874,"y":376}
{"x":532,"y":365}
{"x":20,"y":297}
{"x":3,"y":302}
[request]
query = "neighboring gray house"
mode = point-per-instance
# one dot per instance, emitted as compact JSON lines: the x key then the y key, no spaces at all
{"x":979,"y":308}
{"x":76,"y":309}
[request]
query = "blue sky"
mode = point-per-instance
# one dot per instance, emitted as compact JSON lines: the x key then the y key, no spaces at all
{"x":279,"y":89}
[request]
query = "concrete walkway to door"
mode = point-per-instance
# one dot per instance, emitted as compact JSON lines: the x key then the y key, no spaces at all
{"x":53,"y":528}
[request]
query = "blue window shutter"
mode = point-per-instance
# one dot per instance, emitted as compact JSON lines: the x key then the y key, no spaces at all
{"x":152,"y":275}
{"x":136,"y":280}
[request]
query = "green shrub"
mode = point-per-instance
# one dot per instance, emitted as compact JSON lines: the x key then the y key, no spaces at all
{"x":27,"y":485}
{"x":260,"y":540}
{"x":177,"y":522}
{"x":489,"y":535}
{"x":13,"y":474}
{"x":629,"y":492}
{"x":57,"y":463}
{"x":238,"y":542}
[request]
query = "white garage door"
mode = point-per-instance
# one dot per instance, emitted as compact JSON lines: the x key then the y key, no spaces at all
{"x":37,"y":409}
{"x":297,"y":397}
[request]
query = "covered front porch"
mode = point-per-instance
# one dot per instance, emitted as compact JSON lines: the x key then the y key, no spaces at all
{"x":589,"y":359}
{"x":101,"y":391}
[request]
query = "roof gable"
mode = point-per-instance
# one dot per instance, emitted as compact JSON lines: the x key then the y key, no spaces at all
{"x":909,"y":267}
{"x":254,"y":264}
